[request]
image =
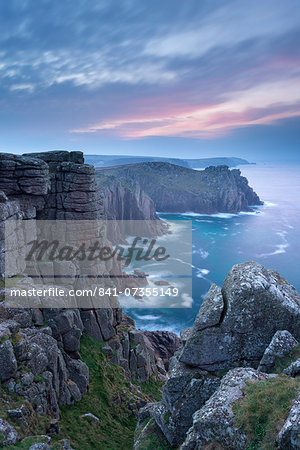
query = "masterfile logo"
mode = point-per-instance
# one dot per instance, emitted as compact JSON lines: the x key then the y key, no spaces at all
{"x":67,"y":264}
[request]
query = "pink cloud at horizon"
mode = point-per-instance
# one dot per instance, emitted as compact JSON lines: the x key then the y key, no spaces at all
{"x":265,"y":103}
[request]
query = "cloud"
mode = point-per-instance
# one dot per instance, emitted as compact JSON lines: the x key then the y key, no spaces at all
{"x":262,"y":104}
{"x":22,"y":87}
{"x":234,"y":22}
{"x":134,"y":69}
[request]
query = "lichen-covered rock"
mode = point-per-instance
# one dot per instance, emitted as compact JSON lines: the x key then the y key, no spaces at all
{"x":20,"y":414}
{"x":281,"y":344}
{"x":40,"y":446}
{"x":185,"y":392}
{"x":8,"y":362}
{"x":293,"y":369}
{"x":64,"y":444}
{"x":91,"y":417}
{"x":214,"y":422}
{"x":8,"y":433}
{"x":180,"y":376}
{"x":256,"y":303}
{"x":289,"y":436}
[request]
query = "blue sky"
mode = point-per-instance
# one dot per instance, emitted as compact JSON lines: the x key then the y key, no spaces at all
{"x":186,"y":79}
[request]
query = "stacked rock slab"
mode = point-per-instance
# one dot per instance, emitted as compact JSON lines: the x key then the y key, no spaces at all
{"x":246,"y":323}
{"x":73,"y":194}
{"x":39,"y":362}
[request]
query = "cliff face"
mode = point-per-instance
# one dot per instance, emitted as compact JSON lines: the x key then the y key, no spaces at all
{"x":123,"y":203}
{"x":39,"y":348}
{"x":178,"y":189}
{"x":125,"y":200}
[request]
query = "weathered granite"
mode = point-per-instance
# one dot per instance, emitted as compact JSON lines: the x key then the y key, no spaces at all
{"x":8,"y":433}
{"x":234,"y":327}
{"x":281,"y":344}
{"x":289,"y":436}
{"x":214,"y":422}
{"x":251,"y":295}
{"x":293,"y":369}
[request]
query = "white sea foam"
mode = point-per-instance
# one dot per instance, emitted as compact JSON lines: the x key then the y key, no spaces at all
{"x":203,"y":253}
{"x":147,"y":317}
{"x":202,"y":272}
{"x":181,"y":261}
{"x":269,"y":204}
{"x":187,"y":300}
{"x":279,"y":248}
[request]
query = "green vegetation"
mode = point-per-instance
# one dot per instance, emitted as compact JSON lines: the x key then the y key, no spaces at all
{"x":167,"y":417}
{"x":263,"y":410}
{"x":16,"y":338}
{"x":151,"y":389}
{"x":39,"y":379}
{"x":110,"y":398}
{"x":153,"y":438}
{"x":27,"y":442}
{"x":284,"y":362}
{"x":175,"y":178}
{"x":4,"y":338}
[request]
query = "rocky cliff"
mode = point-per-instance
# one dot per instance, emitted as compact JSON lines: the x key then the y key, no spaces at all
{"x":125,"y":200}
{"x":40,"y":359}
{"x":178,"y":189}
{"x":236,"y":365}
{"x":119,"y":160}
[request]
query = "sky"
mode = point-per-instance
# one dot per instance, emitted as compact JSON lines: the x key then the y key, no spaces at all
{"x":163,"y":78}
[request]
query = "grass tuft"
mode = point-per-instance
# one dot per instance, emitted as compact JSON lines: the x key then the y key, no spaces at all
{"x":263,"y":410}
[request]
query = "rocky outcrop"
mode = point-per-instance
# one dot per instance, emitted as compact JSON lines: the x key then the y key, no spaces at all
{"x":293,"y":369}
{"x":281,"y":344}
{"x":37,"y":365}
{"x":233,"y":326}
{"x":186,"y":390}
{"x":165,"y":344}
{"x":289,"y":436}
{"x":254,"y":319}
{"x":9,"y":435}
{"x":73,"y":194}
{"x":215,"y":421}
{"x":178,"y":189}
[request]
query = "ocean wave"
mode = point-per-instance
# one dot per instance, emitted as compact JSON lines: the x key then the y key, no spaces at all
{"x":203,"y":253}
{"x":202,"y":272}
{"x":182,"y":262}
{"x":147,"y":317}
{"x":269,"y":204}
{"x":222,"y":215}
{"x":217,"y":215}
{"x":279,"y":248}
{"x":156,"y":326}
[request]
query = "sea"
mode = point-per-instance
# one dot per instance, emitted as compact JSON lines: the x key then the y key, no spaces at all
{"x":269,"y":234}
